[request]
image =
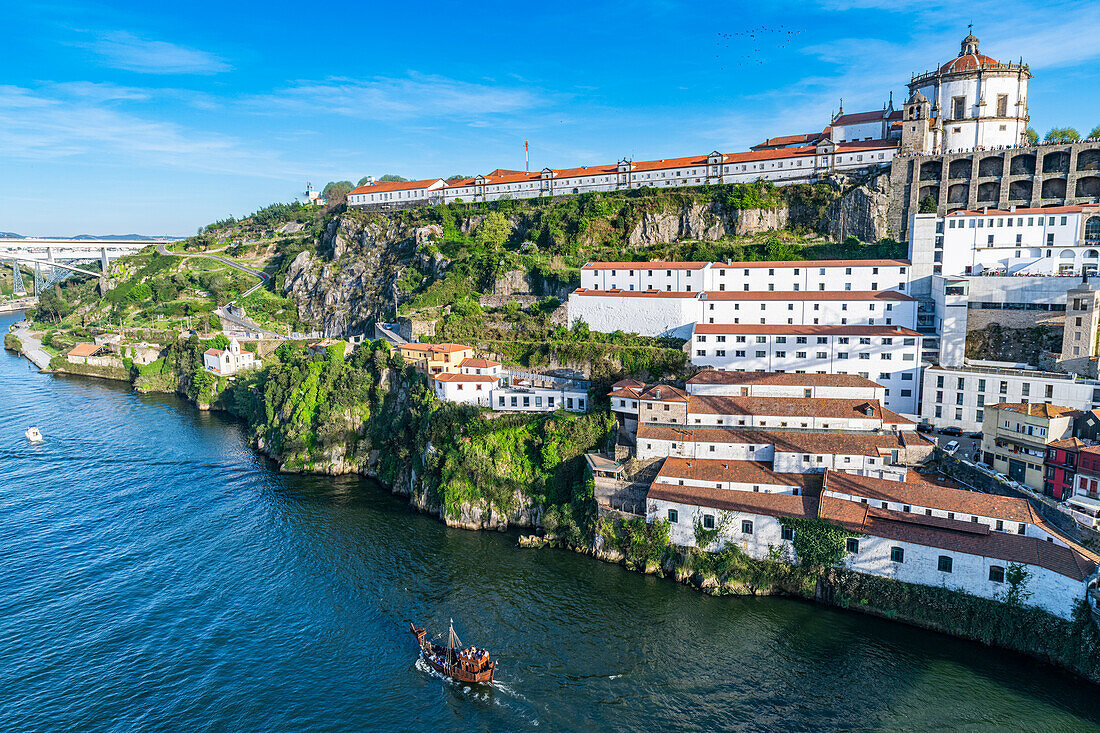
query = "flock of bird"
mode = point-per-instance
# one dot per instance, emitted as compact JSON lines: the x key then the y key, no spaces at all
{"x":756,"y":39}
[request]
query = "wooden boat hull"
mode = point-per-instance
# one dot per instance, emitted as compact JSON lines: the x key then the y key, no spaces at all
{"x":447,"y":663}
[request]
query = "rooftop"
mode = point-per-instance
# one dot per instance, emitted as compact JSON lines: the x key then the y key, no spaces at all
{"x":790,"y":441}
{"x":1034,"y":409}
{"x":87,"y":350}
{"x":444,"y":348}
{"x":713,"y":376}
{"x":745,"y":472}
{"x":780,"y":329}
{"x":933,"y":496}
{"x":775,"y":505}
{"x":789,"y":295}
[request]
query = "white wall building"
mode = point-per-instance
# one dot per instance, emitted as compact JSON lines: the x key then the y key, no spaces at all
{"x":972,"y":101}
{"x":905,"y":546}
{"x":467,"y":389}
{"x":230,"y":360}
{"x":784,"y":384}
{"x":889,"y":355}
{"x":786,"y":165}
{"x":539,"y":399}
{"x":1058,"y":240}
{"x":958,"y":397}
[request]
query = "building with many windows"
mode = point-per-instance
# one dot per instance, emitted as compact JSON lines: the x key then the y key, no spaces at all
{"x":1015,"y":437}
{"x":961,"y":397}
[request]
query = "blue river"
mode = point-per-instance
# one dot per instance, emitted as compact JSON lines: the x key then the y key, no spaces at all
{"x":159,"y":575}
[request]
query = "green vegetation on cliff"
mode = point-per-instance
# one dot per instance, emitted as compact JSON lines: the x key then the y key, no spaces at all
{"x":372,"y":413}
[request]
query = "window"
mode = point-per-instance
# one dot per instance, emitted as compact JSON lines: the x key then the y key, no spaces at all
{"x":897,"y":554}
{"x":673,"y":516}
{"x":958,"y":107}
{"x":996,"y":573}
{"x":852,"y":545}
{"x":746,"y":526}
{"x":708,"y":521}
{"x":944,"y":564}
{"x":787,"y":533}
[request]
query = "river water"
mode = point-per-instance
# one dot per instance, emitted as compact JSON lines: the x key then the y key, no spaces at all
{"x":159,"y":575}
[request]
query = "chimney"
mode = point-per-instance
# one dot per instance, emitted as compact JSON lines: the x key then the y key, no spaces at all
{"x":1012,"y":208}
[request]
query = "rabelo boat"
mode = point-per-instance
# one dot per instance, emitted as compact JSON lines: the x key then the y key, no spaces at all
{"x":465,"y":665}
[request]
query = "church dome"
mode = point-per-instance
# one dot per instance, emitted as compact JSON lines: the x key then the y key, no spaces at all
{"x":971,"y":62}
{"x":969,"y":59}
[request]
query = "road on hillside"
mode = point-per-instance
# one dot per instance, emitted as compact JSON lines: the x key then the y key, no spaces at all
{"x":246,"y":323}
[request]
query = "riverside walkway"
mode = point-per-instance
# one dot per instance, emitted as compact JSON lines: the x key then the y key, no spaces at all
{"x":32,"y":347}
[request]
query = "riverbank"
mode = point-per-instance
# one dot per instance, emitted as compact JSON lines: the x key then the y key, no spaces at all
{"x":30,"y":346}
{"x":388,"y":417}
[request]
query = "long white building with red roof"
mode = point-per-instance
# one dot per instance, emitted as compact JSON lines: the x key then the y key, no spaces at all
{"x":780,"y":165}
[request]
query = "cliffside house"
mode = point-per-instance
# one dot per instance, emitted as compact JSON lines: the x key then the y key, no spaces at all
{"x":432,"y":359}
{"x":230,"y":360}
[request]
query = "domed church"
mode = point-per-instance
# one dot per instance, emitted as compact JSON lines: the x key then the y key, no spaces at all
{"x":973,"y":101}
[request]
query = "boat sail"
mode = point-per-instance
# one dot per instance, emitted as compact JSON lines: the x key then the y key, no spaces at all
{"x":465,"y":665}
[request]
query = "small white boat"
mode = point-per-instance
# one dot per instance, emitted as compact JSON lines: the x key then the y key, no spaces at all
{"x":33,"y":434}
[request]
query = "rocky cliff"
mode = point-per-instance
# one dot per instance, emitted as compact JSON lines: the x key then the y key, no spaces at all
{"x":861,"y":212}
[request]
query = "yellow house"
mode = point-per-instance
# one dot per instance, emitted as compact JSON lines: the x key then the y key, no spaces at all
{"x":436,"y":358}
{"x":1015,"y":438}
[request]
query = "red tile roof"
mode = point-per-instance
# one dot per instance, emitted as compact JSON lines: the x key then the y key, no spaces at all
{"x":383,"y":186}
{"x":212,"y":352}
{"x":785,"y":406}
{"x":751,"y":502}
{"x":665,"y":393}
{"x":617,"y":293}
{"x":455,"y":377}
{"x":855,"y":444}
{"x":444,"y":348}
{"x":742,"y":472}
{"x":1035,"y":409}
{"x":971,"y":62}
{"x":816,"y":263}
{"x":789,"y":295}
{"x":478,"y":363}
{"x":654,"y":265}
{"x":922,"y":493}
{"x":627,"y":383}
{"x":954,"y":536}
{"x":1022,"y":210}
{"x":785,"y":379}
{"x":85,"y":350}
{"x":858,"y":118}
{"x":802,"y":330}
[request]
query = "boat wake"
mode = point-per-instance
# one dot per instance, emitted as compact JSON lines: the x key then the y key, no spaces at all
{"x":484,"y":693}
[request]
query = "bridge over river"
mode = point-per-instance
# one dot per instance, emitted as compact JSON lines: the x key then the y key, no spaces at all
{"x":54,"y":258}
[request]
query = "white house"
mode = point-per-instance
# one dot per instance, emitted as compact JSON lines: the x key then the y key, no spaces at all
{"x":889,"y":355}
{"x":906,"y":546}
{"x":230,"y":360}
{"x":463,"y":388}
{"x":784,"y":384}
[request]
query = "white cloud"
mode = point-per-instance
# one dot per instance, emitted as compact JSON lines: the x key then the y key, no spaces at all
{"x":82,"y":121}
{"x":424,"y":96}
{"x":123,"y":50}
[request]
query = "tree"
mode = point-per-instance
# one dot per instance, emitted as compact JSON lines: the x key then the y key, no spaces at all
{"x":364,"y":181}
{"x":218,"y":342}
{"x":1062,"y":135}
{"x":51,"y":307}
{"x":393,"y":178}
{"x":459,"y":178}
{"x":927,"y":204}
{"x":494,"y":230}
{"x":1095,"y":132}
{"x":336,"y":192}
{"x":1032,"y":136}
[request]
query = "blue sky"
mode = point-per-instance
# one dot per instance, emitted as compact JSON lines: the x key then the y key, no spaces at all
{"x":160,"y":117}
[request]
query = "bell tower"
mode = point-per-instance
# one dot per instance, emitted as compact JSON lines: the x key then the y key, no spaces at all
{"x":916,"y":134}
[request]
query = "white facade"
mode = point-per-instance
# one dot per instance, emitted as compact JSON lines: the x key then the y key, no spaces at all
{"x":959,"y":397}
{"x":805,"y":275}
{"x":976,"y":101}
{"x":1062,"y":240}
{"x":788,"y":165}
{"x":887,"y":548}
{"x":230,"y":360}
{"x":539,"y":399}
{"x":671,"y":314}
{"x":747,"y":384}
{"x":466,"y":389}
{"x":888,"y":355}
